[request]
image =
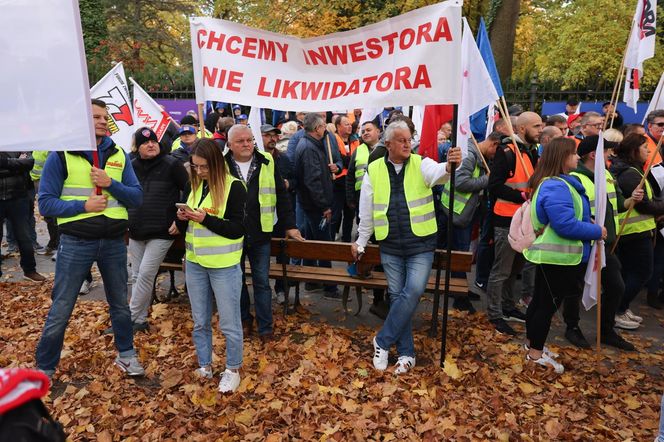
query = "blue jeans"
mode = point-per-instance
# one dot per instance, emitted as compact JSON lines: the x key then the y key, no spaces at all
{"x":658,"y":266}
{"x":75,"y":257}
{"x":259,"y":258}
{"x":16,"y":211}
{"x":485,"y":251}
{"x":11,"y":239}
{"x":407,"y":278}
{"x":223,"y":285}
{"x":460,"y":238}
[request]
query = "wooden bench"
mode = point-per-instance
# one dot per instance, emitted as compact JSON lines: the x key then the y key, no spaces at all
{"x":341,"y":252}
{"x":289,"y":249}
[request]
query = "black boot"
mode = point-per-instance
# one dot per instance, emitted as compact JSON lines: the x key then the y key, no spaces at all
{"x":576,"y":338}
{"x":654,"y":301}
{"x":615,"y":340}
{"x":462,"y":303}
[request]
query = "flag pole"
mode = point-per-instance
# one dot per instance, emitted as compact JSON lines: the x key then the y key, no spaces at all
{"x":506,"y":116}
{"x":616,"y":96}
{"x":201,"y":120}
{"x":631,"y":204}
{"x":450,"y":230}
{"x":486,"y":166}
{"x":598,"y":261}
{"x":615,"y":106}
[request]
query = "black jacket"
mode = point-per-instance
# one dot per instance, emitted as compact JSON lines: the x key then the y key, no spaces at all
{"x":628,"y":180}
{"x":504,"y":165}
{"x":163,"y":180}
{"x":252,"y":219}
{"x":315,"y":186}
{"x":13,"y":171}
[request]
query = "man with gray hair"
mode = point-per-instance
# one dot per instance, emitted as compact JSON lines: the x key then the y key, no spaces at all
{"x":591,"y":123}
{"x":655,"y":128}
{"x":396,"y":203}
{"x":315,"y":190}
{"x":267,"y":196}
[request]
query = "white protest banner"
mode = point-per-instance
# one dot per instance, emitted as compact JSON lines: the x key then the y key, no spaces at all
{"x":44,"y":89}
{"x":410,"y":59}
{"x":640,"y":47}
{"x":148,"y":113}
{"x":113,"y":90}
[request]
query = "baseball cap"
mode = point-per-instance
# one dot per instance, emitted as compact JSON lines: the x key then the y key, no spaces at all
{"x":573,"y":117}
{"x":243,"y":117}
{"x":269,"y":128}
{"x":187,"y":130}
{"x":589,"y":144}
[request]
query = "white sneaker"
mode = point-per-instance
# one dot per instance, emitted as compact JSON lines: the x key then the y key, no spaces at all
{"x":380,"y":356}
{"x":85,"y":288}
{"x":404,"y":364}
{"x":633,"y":317}
{"x":54,"y":256}
{"x":204,"y":372}
{"x":547,"y":361}
{"x":545,"y":349}
{"x":229,"y":382}
{"x":623,"y":321}
{"x":131,"y":366}
{"x":281,"y":297}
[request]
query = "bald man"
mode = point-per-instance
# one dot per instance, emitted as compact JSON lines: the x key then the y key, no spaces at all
{"x":548,"y":134}
{"x":509,"y":189}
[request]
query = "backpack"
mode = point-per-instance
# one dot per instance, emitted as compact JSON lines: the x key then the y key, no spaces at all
{"x":23,"y":416}
{"x":522,"y":233}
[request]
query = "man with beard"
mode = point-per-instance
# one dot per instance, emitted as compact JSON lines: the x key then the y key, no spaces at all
{"x":508,"y":185}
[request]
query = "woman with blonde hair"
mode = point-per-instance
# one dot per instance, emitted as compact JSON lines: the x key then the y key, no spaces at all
{"x":560,"y":213}
{"x":215,"y":232}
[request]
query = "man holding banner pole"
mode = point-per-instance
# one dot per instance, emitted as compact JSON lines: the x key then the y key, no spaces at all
{"x":90,"y":204}
{"x":396,"y":203}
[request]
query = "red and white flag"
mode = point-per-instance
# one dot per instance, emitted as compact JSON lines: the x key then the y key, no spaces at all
{"x":477,"y":89}
{"x":595,"y":265}
{"x":640,"y":47}
{"x":113,"y":90}
{"x":148,"y":113}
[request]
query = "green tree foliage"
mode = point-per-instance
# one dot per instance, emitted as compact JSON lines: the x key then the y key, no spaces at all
{"x":578,"y":42}
{"x":568,"y":43}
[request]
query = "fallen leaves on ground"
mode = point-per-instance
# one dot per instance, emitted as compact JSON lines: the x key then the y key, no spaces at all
{"x":317,"y":382}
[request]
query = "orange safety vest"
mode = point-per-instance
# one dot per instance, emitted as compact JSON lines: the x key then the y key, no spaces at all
{"x":344,"y":152}
{"x":651,"y":147}
{"x":518,"y":181}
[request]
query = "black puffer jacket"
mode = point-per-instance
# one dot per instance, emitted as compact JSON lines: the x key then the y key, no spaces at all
{"x":163,"y":180}
{"x":13,"y":172}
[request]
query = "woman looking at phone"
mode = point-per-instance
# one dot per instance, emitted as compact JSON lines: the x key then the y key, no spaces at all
{"x":215,"y":232}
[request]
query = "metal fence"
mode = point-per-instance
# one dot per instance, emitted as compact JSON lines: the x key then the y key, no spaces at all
{"x":530,"y":98}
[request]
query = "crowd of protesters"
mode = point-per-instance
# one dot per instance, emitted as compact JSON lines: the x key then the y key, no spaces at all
{"x":319,"y":176}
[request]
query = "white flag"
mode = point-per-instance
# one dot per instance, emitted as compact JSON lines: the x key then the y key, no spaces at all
{"x":640,"y":47}
{"x":418,"y":119}
{"x":148,"y":113}
{"x":44,"y":89}
{"x":590,"y":279}
{"x":255,"y":125}
{"x":113,"y":90}
{"x":477,"y":89}
{"x":657,"y":101}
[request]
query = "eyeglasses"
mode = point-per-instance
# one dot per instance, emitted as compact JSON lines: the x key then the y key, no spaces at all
{"x":660,"y":124}
{"x":202,"y":167}
{"x":596,"y":125}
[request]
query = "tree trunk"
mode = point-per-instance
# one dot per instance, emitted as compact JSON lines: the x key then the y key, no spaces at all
{"x":502,"y":35}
